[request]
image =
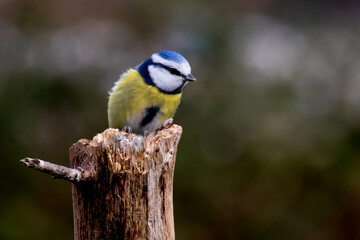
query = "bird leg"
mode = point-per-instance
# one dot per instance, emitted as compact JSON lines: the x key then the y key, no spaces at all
{"x":127,"y":129}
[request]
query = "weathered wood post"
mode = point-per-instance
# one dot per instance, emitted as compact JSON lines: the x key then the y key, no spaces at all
{"x":122,"y":184}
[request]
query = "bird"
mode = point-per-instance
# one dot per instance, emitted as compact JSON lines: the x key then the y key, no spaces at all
{"x":147,"y":95}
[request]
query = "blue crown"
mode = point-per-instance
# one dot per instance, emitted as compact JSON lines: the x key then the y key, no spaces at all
{"x":172,"y":56}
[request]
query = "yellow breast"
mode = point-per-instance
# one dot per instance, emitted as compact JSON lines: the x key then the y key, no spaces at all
{"x":131,"y":97}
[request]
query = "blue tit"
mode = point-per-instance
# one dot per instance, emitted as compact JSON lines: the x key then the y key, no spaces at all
{"x":145,"y":96}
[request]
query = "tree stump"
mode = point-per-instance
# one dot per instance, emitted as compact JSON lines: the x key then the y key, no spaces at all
{"x":122,"y":184}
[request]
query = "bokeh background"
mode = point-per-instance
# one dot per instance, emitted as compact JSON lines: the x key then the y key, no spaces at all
{"x":271,"y":142}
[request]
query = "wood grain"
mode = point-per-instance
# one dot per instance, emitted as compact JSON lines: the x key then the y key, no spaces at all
{"x":128,"y":192}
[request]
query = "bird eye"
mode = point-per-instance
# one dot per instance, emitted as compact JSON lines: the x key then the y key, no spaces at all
{"x":174,"y":71}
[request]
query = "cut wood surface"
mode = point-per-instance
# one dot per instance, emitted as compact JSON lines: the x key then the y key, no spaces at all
{"x":126,"y":190}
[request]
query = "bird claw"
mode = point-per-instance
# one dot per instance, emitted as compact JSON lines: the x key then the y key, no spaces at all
{"x":127,"y":129}
{"x":146,"y":133}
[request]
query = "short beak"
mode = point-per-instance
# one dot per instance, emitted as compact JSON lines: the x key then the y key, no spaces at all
{"x":190,"y":78}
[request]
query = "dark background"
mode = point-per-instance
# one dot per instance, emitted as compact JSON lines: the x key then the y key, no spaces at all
{"x":271,"y":142}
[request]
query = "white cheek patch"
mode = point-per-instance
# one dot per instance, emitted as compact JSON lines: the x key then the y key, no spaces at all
{"x":183,"y":67}
{"x":163,"y":79}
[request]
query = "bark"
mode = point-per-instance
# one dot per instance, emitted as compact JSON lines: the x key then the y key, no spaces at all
{"x":126,"y":186}
{"x":56,"y":171}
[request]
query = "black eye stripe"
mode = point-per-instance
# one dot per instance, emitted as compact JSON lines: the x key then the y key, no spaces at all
{"x":170,"y":69}
{"x":174,"y":71}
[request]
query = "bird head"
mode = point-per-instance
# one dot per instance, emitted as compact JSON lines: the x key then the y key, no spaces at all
{"x":168,"y":71}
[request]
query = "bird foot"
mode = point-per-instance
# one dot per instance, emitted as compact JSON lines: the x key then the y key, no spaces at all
{"x":127,"y":129}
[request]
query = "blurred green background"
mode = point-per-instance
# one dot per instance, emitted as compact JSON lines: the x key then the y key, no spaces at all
{"x":271,"y":142}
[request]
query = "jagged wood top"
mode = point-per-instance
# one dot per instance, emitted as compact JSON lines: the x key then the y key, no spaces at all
{"x":130,"y":146}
